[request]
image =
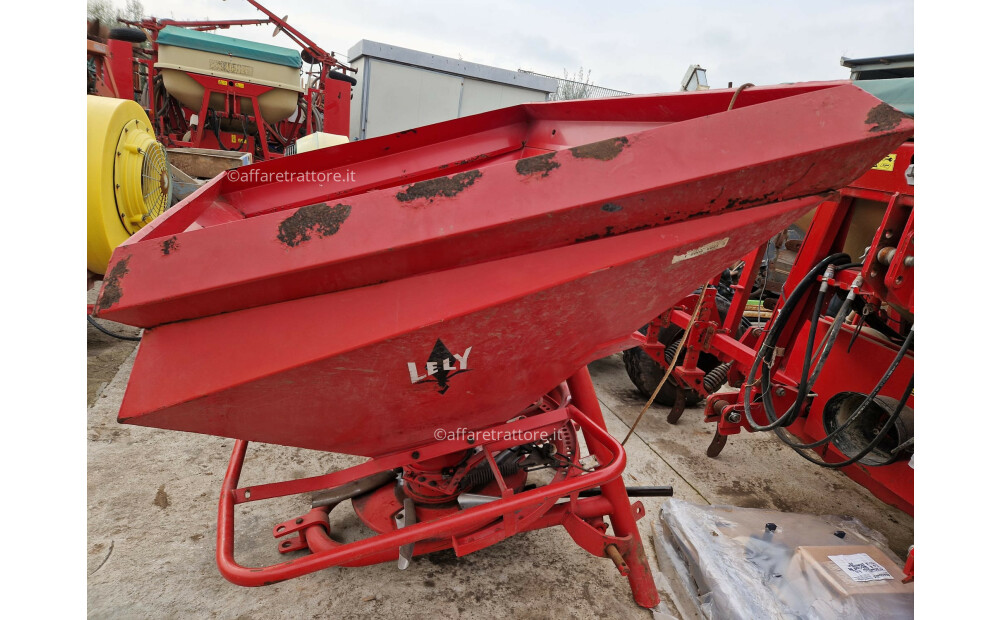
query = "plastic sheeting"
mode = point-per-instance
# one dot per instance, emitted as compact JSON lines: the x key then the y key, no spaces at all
{"x":896,"y":92}
{"x":751,"y":563}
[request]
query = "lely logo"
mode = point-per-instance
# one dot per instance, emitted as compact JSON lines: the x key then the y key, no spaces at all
{"x":440,"y":367}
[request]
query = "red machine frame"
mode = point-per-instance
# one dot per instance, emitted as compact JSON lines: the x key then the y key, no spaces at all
{"x":887,"y":276}
{"x":470,"y":529}
{"x":174,"y":122}
{"x":497,"y":219}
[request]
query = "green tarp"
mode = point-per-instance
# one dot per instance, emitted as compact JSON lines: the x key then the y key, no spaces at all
{"x":218,"y":44}
{"x":896,"y":92}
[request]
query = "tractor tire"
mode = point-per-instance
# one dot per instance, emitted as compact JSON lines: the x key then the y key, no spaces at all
{"x":343,"y":77}
{"x":132,"y":35}
{"x":646,"y":373}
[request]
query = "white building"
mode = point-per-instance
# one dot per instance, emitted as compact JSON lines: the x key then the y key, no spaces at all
{"x":400,"y":88}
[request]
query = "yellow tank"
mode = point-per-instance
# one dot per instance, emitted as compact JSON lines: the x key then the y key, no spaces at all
{"x":128,"y":180}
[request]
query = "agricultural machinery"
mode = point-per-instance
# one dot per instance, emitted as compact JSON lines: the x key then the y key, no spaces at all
{"x":435,"y":310}
{"x":128,"y":180}
{"x":830,"y":372}
{"x":205,"y":90}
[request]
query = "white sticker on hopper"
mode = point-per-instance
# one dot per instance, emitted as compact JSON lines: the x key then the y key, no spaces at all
{"x":861,"y":567}
{"x":711,"y":246}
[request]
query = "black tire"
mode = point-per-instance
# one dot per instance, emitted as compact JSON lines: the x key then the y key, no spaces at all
{"x":132,"y":35}
{"x":307,"y":58}
{"x":343,"y":77}
{"x":646,"y":373}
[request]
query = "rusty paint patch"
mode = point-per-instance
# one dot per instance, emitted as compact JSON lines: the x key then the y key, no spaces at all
{"x":539,"y":164}
{"x":611,"y":207}
{"x":169,"y":245}
{"x":403,"y":133}
{"x":319,"y":219}
{"x":609,"y":231}
{"x":605,"y":150}
{"x":111,"y":292}
{"x":472,"y":160}
{"x":717,"y":196}
{"x":884,"y":117}
{"x":742,"y":202}
{"x":442,"y":187}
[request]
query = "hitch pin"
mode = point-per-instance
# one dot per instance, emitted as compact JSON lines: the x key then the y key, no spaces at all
{"x":612,"y":552}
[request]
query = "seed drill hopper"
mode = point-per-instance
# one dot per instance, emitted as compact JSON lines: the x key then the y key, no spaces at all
{"x":206,"y":90}
{"x":434,"y":305}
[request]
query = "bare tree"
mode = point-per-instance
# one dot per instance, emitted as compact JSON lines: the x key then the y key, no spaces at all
{"x":106,"y":13}
{"x":577,"y":86}
{"x":101,"y":11}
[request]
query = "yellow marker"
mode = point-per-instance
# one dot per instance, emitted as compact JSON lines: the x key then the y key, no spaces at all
{"x":888,"y":163}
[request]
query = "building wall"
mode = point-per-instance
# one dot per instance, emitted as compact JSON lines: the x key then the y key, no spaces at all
{"x":393,"y":95}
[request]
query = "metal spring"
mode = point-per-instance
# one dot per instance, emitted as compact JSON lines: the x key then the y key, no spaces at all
{"x":482,"y":474}
{"x":716,"y":377}
{"x":668,"y":353}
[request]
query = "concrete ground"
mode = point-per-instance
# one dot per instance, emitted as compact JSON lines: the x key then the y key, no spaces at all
{"x":152,"y":500}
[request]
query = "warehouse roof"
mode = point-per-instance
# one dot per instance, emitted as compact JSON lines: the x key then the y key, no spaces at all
{"x":880,"y":67}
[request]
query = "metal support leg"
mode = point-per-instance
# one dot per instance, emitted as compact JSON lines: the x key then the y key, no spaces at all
{"x":622,"y":518}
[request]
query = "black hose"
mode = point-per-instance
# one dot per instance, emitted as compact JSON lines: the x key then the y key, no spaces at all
{"x":767,"y":349}
{"x":871,"y":446}
{"x":112,"y":334}
{"x":847,"y":266}
{"x":803,"y":391}
{"x":864,"y":404}
{"x":831,"y":338}
{"x":808,"y":379}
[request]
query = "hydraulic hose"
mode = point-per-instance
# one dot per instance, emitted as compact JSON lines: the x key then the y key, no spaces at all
{"x":871,"y":446}
{"x":831,"y":334}
{"x":764,"y":360}
{"x":766,"y":352}
{"x":864,"y":404}
{"x":110,"y":333}
{"x":804,"y":384}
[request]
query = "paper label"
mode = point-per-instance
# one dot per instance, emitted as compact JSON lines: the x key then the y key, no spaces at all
{"x":861,"y":567}
{"x":705,"y":249}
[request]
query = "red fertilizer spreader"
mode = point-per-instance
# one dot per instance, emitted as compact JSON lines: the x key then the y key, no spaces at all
{"x":430,"y":299}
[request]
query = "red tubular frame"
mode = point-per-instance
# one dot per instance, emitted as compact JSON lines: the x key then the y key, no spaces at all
{"x":575,"y":515}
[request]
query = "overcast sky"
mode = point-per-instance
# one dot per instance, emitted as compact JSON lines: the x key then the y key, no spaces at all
{"x":635,"y":46}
